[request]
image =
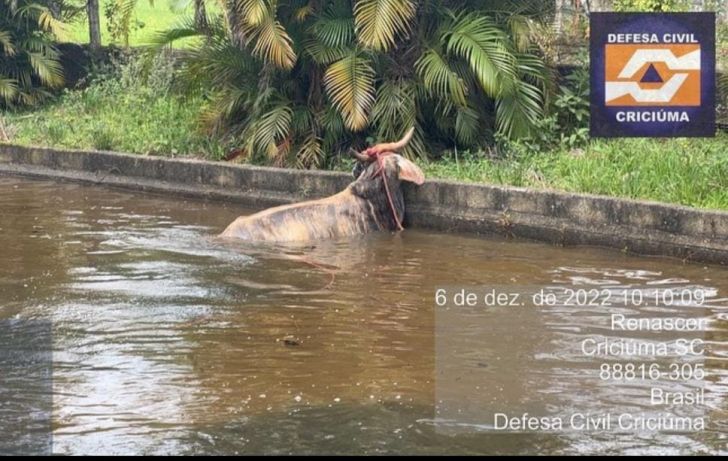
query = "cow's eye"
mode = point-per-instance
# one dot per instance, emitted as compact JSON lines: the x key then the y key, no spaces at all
{"x":357,"y":170}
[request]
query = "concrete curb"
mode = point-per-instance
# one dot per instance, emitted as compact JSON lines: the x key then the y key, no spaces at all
{"x":554,"y":217}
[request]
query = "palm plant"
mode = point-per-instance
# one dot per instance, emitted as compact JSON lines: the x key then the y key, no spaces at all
{"x":300,"y":80}
{"x":29,"y":64}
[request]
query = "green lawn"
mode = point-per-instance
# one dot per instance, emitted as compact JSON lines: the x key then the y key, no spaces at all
{"x":691,"y":172}
{"x":151,"y":20}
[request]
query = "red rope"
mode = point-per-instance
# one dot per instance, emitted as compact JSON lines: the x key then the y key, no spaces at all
{"x":379,"y":157}
{"x":323,"y":268}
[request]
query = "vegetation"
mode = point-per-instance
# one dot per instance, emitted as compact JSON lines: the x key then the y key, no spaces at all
{"x":652,"y":5}
{"x":138,"y":27}
{"x":691,"y":172}
{"x":126,"y":107}
{"x":297,"y":82}
{"x":30,"y":66}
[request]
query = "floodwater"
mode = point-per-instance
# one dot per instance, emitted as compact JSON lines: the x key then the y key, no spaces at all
{"x":166,"y":341}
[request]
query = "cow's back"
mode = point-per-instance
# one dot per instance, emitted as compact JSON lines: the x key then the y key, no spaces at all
{"x":338,"y":216}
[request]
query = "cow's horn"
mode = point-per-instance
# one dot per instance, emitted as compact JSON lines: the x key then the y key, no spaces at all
{"x":359,"y":156}
{"x":395,"y":146}
{"x":399,"y":145}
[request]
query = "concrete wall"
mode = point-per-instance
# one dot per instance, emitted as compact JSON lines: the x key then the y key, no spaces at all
{"x":553,"y":217}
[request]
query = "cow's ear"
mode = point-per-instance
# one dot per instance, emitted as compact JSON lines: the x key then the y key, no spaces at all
{"x":408,"y":171}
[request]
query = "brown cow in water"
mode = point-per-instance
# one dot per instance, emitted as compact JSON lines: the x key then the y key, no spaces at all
{"x":366,"y":205}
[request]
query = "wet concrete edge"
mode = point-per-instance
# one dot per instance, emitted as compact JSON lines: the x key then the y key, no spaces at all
{"x":558,"y":218}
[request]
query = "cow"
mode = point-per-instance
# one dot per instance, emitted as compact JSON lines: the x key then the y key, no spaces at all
{"x":374,"y":201}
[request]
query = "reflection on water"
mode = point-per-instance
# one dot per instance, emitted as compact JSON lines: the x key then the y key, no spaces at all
{"x":168,"y":341}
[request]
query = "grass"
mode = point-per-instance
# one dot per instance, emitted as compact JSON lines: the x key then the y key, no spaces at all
{"x":692,"y":172}
{"x":149,"y":19}
{"x":117,"y":112}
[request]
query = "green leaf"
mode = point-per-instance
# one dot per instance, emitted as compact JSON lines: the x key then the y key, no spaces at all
{"x":333,"y":31}
{"x":350,"y":85}
{"x":519,"y":111}
{"x":479,"y":41}
{"x":7,"y":43}
{"x":468,"y":126}
{"x":254,"y":12}
{"x":379,"y":21}
{"x":439,"y":79}
{"x":8,"y":88}
{"x":273,"y":44}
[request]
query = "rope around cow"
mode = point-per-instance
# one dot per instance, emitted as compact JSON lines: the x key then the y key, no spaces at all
{"x":379,"y":158}
{"x":378,"y":153}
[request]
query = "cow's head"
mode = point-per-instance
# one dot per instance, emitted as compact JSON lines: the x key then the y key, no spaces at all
{"x":394,"y":165}
{"x":379,"y":164}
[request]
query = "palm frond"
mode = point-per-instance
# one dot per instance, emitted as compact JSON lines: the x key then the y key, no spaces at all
{"x":366,"y":68}
{"x":478,"y":40}
{"x":333,"y":31}
{"x":303,"y":13}
{"x":44,"y":61}
{"x":518,"y":111}
{"x":395,"y":110}
{"x":311,"y":152}
{"x":254,"y":12}
{"x":185,"y":29}
{"x":6,"y":41}
{"x":439,"y":79}
{"x":273,"y":127}
{"x":49,"y":71}
{"x":350,"y":85}
{"x":30,"y":61}
{"x":8,"y":88}
{"x":332,"y":123}
{"x":323,"y":54}
{"x":273,"y":44}
{"x":125,"y":10}
{"x":468,"y":126}
{"x":378,"y":22}
{"x":226,"y":103}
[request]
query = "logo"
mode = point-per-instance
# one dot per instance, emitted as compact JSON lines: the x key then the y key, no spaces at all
{"x":652,"y":74}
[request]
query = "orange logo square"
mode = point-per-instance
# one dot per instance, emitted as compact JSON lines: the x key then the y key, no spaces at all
{"x":652,"y":75}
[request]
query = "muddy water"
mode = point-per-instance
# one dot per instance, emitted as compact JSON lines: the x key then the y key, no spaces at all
{"x":169,"y":342}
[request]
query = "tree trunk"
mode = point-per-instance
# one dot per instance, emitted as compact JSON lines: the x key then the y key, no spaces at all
{"x":559,"y":20}
{"x":55,"y":9}
{"x":234,"y":24}
{"x":200,"y":15}
{"x":94,"y":26}
{"x":577,"y":17}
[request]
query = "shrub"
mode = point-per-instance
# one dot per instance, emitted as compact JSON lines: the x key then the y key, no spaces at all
{"x":652,"y":5}
{"x":128,"y":106}
{"x":30,"y":65}
{"x":566,"y":123}
{"x":297,"y":82}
